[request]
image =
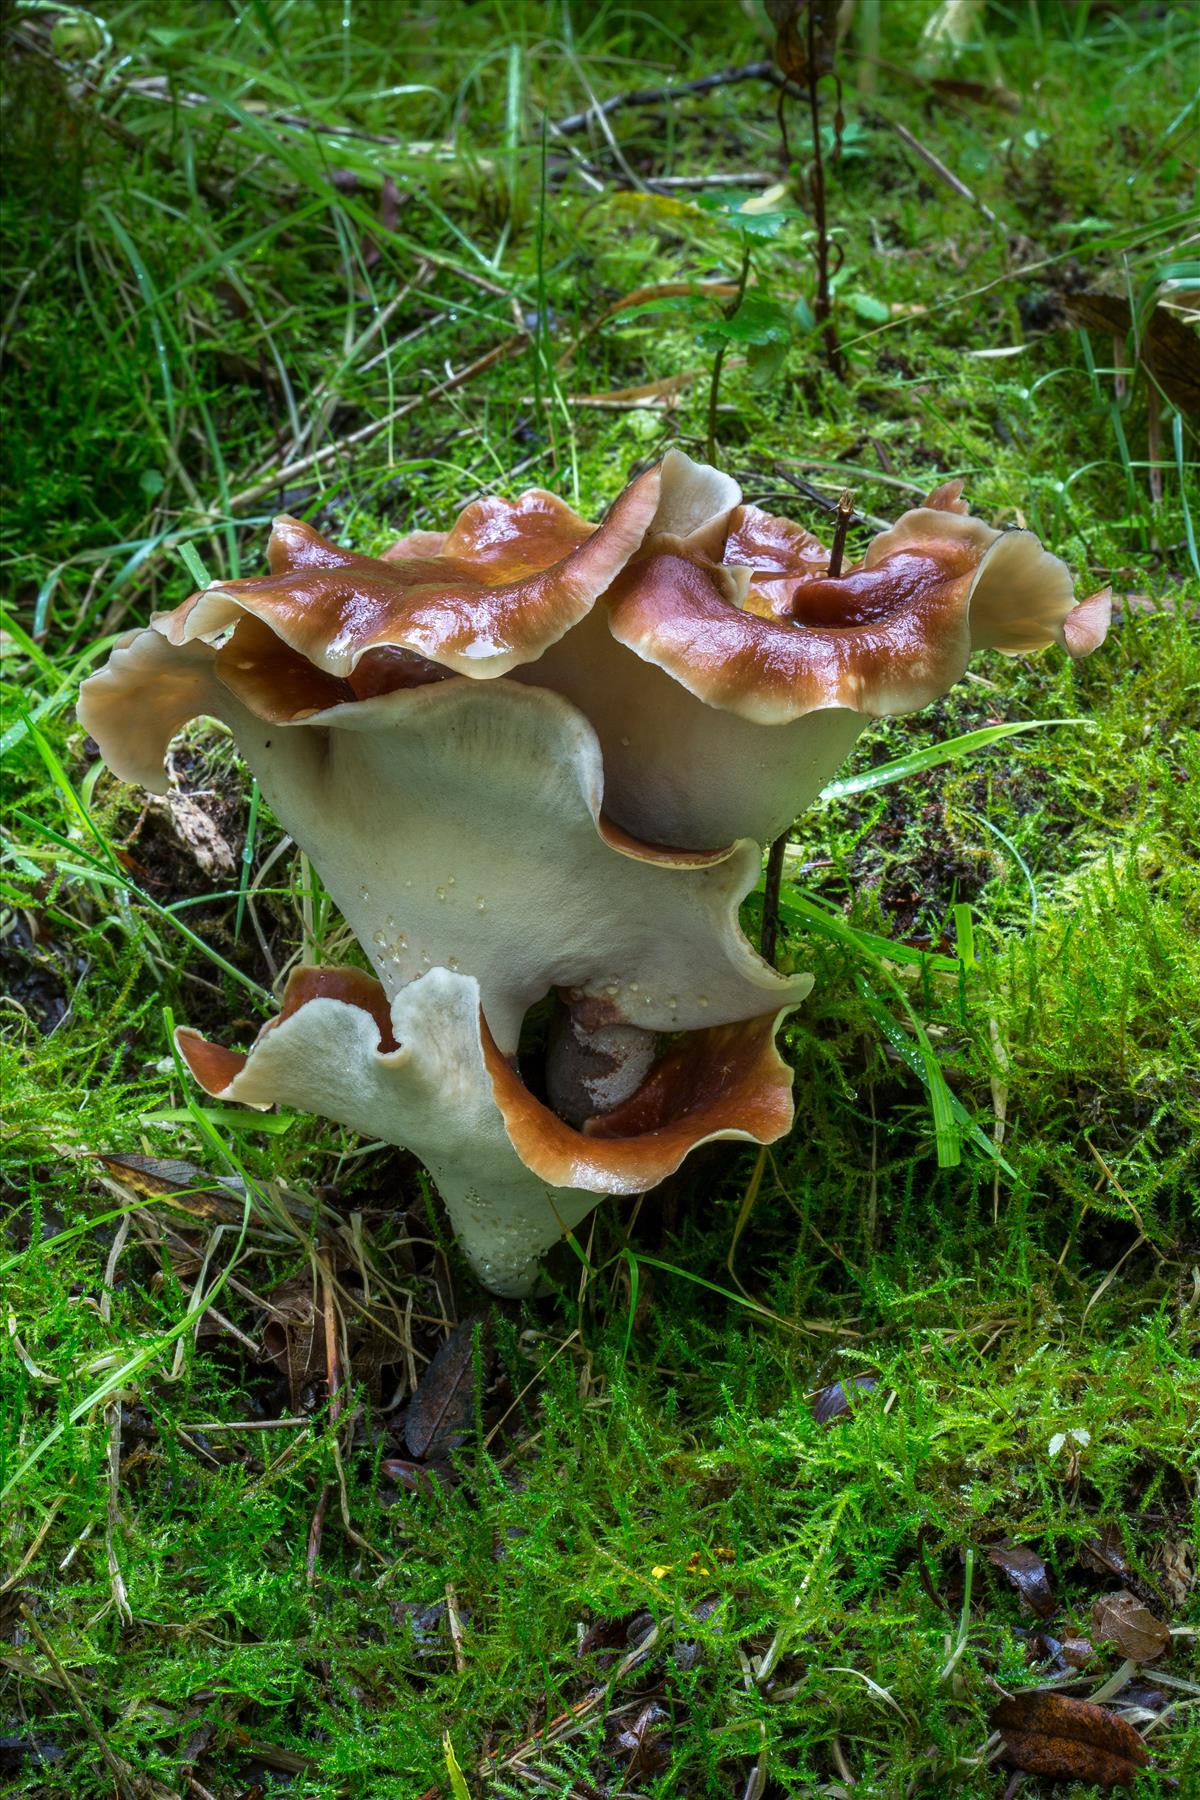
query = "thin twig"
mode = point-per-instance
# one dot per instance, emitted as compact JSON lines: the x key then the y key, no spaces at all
{"x":845,"y":512}
{"x":770,"y":921}
{"x":714,"y":386}
{"x":116,"y":1765}
{"x":823,"y":300}
{"x":317,"y":457}
{"x":939,"y":168}
{"x":755,"y":71}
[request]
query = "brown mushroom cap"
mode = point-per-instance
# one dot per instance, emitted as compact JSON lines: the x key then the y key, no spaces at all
{"x":749,"y":680}
{"x":508,"y":580}
{"x":513,"y":1176}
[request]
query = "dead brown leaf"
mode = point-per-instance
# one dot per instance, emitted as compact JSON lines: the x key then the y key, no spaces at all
{"x":1077,"y":1652}
{"x":644,"y":1741}
{"x":1069,"y":1740}
{"x":985,"y":93}
{"x":1027,"y":1573}
{"x":442,"y":1411}
{"x":1177,"y":1566}
{"x":188,"y":1188}
{"x":800,"y":24}
{"x":1105,"y":1553}
{"x":1167,"y":346}
{"x":1121,"y":1619}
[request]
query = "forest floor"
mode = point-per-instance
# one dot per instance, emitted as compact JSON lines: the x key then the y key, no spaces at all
{"x":817,"y":1456}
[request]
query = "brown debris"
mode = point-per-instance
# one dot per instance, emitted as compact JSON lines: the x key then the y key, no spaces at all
{"x":1121,"y":1619}
{"x":1051,"y":1734}
{"x":1027,"y":1573}
{"x":442,"y":1411}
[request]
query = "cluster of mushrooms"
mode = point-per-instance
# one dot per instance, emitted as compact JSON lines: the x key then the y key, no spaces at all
{"x":531,"y":757}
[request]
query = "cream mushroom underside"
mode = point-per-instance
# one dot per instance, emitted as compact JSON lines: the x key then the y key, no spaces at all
{"x":459,"y":825}
{"x":718,"y":720}
{"x":513,"y":1176}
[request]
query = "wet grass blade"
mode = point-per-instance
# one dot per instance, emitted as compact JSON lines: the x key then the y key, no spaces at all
{"x":952,"y":750}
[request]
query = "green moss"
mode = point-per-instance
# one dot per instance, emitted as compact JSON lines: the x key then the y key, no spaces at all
{"x":192,"y":301}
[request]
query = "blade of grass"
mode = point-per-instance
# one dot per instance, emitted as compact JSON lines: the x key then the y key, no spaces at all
{"x":915,"y":762}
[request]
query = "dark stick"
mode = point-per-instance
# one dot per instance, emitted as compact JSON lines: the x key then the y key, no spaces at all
{"x":770,"y":920}
{"x":755,"y":71}
{"x":823,"y":307}
{"x":845,"y":512}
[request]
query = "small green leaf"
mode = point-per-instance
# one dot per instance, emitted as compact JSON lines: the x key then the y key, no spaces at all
{"x":458,"y":1781}
{"x":875,"y":312}
{"x":758,"y":320}
{"x":764,"y":361}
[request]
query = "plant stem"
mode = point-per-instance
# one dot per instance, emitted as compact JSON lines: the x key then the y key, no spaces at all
{"x":714,"y":386}
{"x":845,"y":512}
{"x":770,"y":919}
{"x":770,"y":923}
{"x":822,"y":303}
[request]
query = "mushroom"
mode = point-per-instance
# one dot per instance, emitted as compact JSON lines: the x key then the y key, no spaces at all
{"x":426,"y":1072}
{"x":531,"y":757}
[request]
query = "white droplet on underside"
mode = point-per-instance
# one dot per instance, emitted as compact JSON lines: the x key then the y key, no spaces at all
{"x":672,"y":1003}
{"x":481,"y":903}
{"x":701,"y":999}
{"x":440,"y":892}
{"x":612,"y":989}
{"x":453,"y":965}
{"x":624,"y":743}
{"x":633,"y":987}
{"x":363,"y":894}
{"x":449,"y":881}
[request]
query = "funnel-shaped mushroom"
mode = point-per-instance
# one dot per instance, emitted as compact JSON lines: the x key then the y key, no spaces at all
{"x":726,"y":692}
{"x":529,"y":755}
{"x":426,"y":1072}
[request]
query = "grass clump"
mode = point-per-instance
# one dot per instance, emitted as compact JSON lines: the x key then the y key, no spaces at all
{"x":253,"y":260}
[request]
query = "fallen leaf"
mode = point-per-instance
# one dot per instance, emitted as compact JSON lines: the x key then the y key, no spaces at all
{"x":442,"y":1411}
{"x":1121,"y":1619}
{"x":1027,"y":1573}
{"x":188,"y":1188}
{"x":662,"y":394}
{"x":793,"y":20}
{"x":1077,"y":1652}
{"x":987,"y":93}
{"x":644,"y":1742}
{"x":1050,"y":1734}
{"x":293,"y":1337}
{"x":1105,"y":1552}
{"x":1177,"y":1564}
{"x":833,"y":1401}
{"x":1166,"y":345}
